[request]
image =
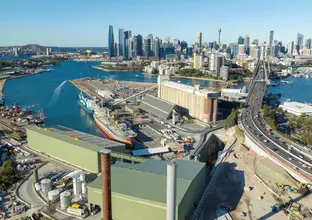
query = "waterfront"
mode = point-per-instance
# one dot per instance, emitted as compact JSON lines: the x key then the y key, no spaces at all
{"x":62,"y":108}
{"x":297,"y":91}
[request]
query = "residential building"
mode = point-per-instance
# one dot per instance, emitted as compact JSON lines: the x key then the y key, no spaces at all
{"x":224,"y":73}
{"x":189,"y":51}
{"x":150,"y":36}
{"x":216,"y":61}
{"x":111,"y":43}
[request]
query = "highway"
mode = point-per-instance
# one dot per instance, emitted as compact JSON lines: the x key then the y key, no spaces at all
{"x":251,"y":119}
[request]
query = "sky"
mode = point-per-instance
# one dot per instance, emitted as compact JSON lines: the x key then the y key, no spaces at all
{"x":85,"y":22}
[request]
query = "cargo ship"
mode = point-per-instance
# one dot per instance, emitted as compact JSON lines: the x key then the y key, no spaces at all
{"x":87,"y":104}
{"x":118,"y":132}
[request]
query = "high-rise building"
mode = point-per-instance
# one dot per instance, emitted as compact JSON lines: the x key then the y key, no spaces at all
{"x":150,"y":36}
{"x":235,"y":50}
{"x":256,"y":42}
{"x":299,"y":44}
{"x":156,"y":46}
{"x":189,"y":51}
{"x":111,"y":43}
{"x":290,"y":47}
{"x":308,"y":43}
{"x":147,"y":46}
{"x":199,"y":39}
{"x":127,"y":37}
{"x":271,"y":38}
{"x":247,"y":43}
{"x":240,"y":40}
{"x":121,"y":45}
{"x":241,"y":49}
{"x":137,"y":45}
{"x":166,"y":39}
{"x":254,"y":51}
{"x":224,"y":73}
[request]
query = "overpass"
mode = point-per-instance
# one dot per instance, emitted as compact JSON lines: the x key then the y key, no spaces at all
{"x":281,"y":151}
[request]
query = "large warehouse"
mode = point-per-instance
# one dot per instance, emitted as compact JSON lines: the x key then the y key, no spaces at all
{"x":139,"y":190}
{"x":73,"y":147}
{"x":198,"y":103}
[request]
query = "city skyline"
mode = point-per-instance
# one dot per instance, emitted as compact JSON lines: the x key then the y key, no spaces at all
{"x":83,"y":24}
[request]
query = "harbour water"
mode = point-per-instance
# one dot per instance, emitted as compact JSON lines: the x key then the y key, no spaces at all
{"x":58,"y":99}
{"x":299,"y":90}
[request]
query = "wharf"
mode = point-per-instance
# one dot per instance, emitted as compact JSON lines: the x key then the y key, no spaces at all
{"x":121,"y":89}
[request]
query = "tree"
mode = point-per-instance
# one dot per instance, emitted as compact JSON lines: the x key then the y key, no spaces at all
{"x":231,"y":120}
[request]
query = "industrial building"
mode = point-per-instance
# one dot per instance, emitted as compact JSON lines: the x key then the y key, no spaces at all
{"x":201,"y":104}
{"x":138,"y":191}
{"x":157,"y":107}
{"x":297,"y":108}
{"x":73,"y":147}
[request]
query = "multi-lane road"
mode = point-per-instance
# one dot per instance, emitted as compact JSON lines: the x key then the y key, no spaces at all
{"x":297,"y":159}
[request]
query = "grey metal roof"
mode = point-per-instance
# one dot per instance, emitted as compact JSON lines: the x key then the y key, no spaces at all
{"x":159,"y":107}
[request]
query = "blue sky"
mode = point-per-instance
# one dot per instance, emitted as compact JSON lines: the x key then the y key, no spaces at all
{"x":85,"y":22}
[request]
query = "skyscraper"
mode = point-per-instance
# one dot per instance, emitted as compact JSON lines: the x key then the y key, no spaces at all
{"x":127,"y":37}
{"x":247,"y":43}
{"x":199,"y":39}
{"x":256,"y":42}
{"x":308,"y":43}
{"x":299,"y":44}
{"x":147,"y":46}
{"x":240,"y":40}
{"x":150,"y":36}
{"x":254,"y":51}
{"x":166,"y":39}
{"x":156,"y":46}
{"x":290,"y":47}
{"x":121,"y":46}
{"x":111,"y":43}
{"x":137,"y":45}
{"x":235,"y":50}
{"x":271,"y":38}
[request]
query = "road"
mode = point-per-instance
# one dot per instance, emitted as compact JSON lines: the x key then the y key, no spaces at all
{"x":254,"y":125}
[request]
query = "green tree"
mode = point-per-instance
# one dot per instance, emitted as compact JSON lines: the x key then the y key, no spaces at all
{"x":231,"y":120}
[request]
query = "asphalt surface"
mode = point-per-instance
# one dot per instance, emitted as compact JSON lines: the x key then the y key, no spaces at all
{"x":252,"y":121}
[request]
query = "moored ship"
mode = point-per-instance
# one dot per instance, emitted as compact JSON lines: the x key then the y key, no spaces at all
{"x":118,"y":132}
{"x":87,"y":104}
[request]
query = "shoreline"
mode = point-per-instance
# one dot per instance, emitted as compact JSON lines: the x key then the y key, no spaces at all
{"x":108,"y":70}
{"x":199,"y":78}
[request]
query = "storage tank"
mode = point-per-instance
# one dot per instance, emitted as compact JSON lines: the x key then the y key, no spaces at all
{"x":83,"y":183}
{"x":45,"y":185}
{"x":65,"y":200}
{"x":53,"y":195}
{"x":37,"y":186}
{"x":76,"y":186}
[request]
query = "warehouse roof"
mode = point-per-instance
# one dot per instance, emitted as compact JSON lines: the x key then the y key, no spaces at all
{"x":191,"y":89}
{"x":144,"y":180}
{"x":157,"y":106}
{"x":297,"y":108}
{"x":77,"y":138}
{"x":150,"y":151}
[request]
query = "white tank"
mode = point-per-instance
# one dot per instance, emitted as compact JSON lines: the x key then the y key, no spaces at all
{"x":82,"y":177}
{"x":65,"y":200}
{"x":53,"y":195}
{"x":45,"y":185}
{"x":83,"y":188}
{"x":37,"y":186}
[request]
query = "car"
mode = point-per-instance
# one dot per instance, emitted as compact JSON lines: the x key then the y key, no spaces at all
{"x":275,"y":149}
{"x":265,"y":140}
{"x":300,"y":156}
{"x":304,"y":165}
{"x":290,"y":159}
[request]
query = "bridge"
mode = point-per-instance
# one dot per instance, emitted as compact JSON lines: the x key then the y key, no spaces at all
{"x":31,"y":49}
{"x":282,"y":151}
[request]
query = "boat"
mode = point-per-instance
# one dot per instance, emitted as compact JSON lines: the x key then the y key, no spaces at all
{"x":2,"y":100}
{"x":87,"y":104}
{"x":118,"y":132}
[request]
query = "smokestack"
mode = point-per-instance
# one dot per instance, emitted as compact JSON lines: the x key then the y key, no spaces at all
{"x":171,"y":190}
{"x":106,"y":185}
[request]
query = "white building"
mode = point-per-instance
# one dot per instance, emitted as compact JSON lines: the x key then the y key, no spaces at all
{"x":224,"y":73}
{"x":241,"y":49}
{"x":297,"y":108}
{"x":254,"y":51}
